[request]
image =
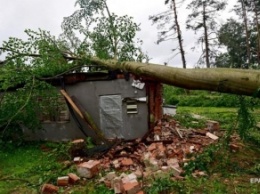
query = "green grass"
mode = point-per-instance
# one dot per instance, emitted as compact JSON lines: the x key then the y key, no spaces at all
{"x":14,"y":168}
{"x":24,"y":168}
{"x":226,"y":116}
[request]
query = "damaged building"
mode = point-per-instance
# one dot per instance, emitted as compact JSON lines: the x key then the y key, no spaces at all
{"x":113,"y":103}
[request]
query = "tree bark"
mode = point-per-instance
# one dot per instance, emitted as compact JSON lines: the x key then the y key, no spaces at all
{"x":225,"y":80}
{"x":246,"y":33}
{"x":206,"y":36}
{"x":179,"y":34}
{"x":258,"y":31}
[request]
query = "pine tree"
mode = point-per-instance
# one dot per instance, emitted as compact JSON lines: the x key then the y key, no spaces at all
{"x":169,"y":27}
{"x":203,"y":16}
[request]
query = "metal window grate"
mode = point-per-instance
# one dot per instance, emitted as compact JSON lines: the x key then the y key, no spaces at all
{"x":131,"y":107}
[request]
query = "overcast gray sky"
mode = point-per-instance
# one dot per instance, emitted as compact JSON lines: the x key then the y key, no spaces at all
{"x":18,"y":15}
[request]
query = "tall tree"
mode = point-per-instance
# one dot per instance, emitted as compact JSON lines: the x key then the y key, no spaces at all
{"x":254,"y":7}
{"x":203,"y":16}
{"x":169,"y":27}
{"x":241,"y":10}
{"x":104,"y":34}
{"x":231,"y":36}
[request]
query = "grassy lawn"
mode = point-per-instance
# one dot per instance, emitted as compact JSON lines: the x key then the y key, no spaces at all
{"x":24,"y":168}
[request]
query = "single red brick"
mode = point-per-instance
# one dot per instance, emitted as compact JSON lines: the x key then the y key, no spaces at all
{"x":127,"y":162}
{"x":63,"y":181}
{"x":88,"y":169}
{"x":107,"y":183}
{"x":131,"y":188}
{"x":157,"y":130}
{"x":49,"y":189}
{"x":212,"y":125}
{"x":117,"y":184}
{"x":152,"y":147}
{"x":73,"y":178}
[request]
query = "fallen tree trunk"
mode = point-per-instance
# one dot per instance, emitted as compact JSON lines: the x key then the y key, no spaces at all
{"x":225,"y":80}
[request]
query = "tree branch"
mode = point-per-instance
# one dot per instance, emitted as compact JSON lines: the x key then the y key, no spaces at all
{"x":20,"y":109}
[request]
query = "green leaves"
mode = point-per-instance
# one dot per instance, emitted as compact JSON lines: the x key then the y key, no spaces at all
{"x":92,"y":30}
{"x":106,"y":35}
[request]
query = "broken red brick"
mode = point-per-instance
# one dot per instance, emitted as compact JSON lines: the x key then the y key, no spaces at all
{"x":127,"y":162}
{"x":140,"y":192}
{"x":201,"y":131}
{"x":88,"y":169}
{"x":110,"y":176}
{"x":117,"y":184}
{"x":161,"y":147}
{"x":157,"y":130}
{"x":116,"y":164}
{"x":131,"y":188}
{"x":165,"y":168}
{"x":130,"y":178}
{"x":212,"y":136}
{"x":73,"y":178}
{"x":63,"y":181}
{"x":234,"y":147}
{"x":174,"y":165}
{"x":108,"y":183}
{"x":159,"y":154}
{"x":157,"y":138}
{"x":152,"y":147}
{"x":172,"y":162}
{"x":77,"y":160}
{"x":138,"y":173}
{"x":49,"y":189}
{"x":212,"y":125}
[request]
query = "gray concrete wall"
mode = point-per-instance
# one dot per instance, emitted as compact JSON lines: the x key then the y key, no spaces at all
{"x":88,"y":93}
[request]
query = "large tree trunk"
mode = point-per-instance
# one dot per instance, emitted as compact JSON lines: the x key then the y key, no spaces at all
{"x":235,"y":81}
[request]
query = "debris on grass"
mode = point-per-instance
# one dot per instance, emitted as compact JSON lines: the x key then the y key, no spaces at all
{"x":166,"y":148}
